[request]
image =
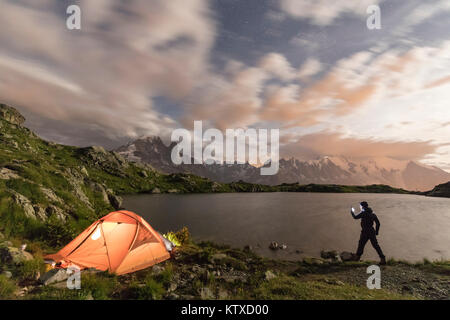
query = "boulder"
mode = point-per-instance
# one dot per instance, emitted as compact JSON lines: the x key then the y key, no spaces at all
{"x":269,"y":275}
{"x":58,"y":212}
{"x":156,"y":191}
{"x":14,"y":255}
{"x":273,"y":245}
{"x":50,"y":195}
{"x":11,"y":115}
{"x":7,"y":274}
{"x":100,"y":189}
{"x":6,"y":174}
{"x":347,"y":256}
{"x":24,"y":203}
{"x":116,"y":201}
{"x":331,"y":255}
{"x":54,"y":276}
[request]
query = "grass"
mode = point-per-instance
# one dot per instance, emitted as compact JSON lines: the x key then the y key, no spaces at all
{"x":28,"y":270}
{"x":7,"y":287}
{"x":151,"y":289}
{"x":286,"y":287}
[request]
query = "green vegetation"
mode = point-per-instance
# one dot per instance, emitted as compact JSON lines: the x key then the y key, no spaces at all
{"x":210,"y":271}
{"x":7,"y":287}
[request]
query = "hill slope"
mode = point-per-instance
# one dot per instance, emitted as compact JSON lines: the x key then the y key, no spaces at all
{"x":41,"y":181}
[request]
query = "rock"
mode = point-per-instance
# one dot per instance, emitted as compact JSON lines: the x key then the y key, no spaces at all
{"x":172,"y":296}
{"x":54,"y":276}
{"x":406,"y":288}
{"x":173,"y":191}
{"x":50,"y":195}
{"x":100,"y":189}
{"x":143,"y":174}
{"x":313,"y":261}
{"x":84,"y":171}
{"x":156,"y":191}
{"x":156,"y":269}
{"x":40,"y":212}
{"x":7,"y":274}
{"x":332,"y":255}
{"x":14,"y":255}
{"x":347,"y":256}
{"x":11,"y":115}
{"x":21,"y":292}
{"x":232,"y":278}
{"x":283,"y":247}
{"x":172,"y":287}
{"x":24,"y":203}
{"x":206,"y":294}
{"x":197,"y":269}
{"x":6,"y":174}
{"x":215,"y":258}
{"x":116,"y":201}
{"x":269,"y":275}
{"x":273,"y":245}
{"x":58,"y":212}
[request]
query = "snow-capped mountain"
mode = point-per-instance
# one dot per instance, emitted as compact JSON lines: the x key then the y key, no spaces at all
{"x":409,"y":175}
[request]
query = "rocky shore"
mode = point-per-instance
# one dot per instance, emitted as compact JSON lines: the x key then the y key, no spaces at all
{"x":211,"y":271}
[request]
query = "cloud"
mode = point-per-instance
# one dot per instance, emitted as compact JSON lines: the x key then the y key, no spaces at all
{"x":311,"y":67}
{"x":278,"y":66}
{"x":334,"y":144}
{"x":106,"y":74}
{"x":323,"y":12}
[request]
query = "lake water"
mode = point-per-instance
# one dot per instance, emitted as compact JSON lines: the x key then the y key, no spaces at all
{"x":412,"y":227}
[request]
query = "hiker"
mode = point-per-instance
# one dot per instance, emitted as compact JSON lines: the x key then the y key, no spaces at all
{"x":368,"y":232}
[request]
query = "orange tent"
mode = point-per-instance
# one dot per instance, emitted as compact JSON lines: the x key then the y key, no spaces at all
{"x":120,"y":242}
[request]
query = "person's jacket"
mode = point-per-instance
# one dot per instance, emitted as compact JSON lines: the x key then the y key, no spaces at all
{"x":367,"y":219}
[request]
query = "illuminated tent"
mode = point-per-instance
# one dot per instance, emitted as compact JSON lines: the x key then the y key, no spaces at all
{"x":121,"y":242}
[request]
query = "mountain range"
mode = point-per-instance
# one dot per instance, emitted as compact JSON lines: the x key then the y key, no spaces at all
{"x":405,"y":174}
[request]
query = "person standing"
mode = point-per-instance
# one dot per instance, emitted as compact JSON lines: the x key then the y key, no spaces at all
{"x":367,"y":231}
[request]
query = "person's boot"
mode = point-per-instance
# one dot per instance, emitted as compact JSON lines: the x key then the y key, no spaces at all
{"x":356,"y":257}
{"x":382,"y":261}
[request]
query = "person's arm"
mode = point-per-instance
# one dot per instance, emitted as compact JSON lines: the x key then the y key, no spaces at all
{"x":377,"y":223}
{"x":356,"y":216}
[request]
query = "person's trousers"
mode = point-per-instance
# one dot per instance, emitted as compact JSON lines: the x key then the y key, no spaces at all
{"x":366,"y":236}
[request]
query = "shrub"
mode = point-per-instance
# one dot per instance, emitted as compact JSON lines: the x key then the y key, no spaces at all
{"x":150,"y":290}
{"x":29,"y":269}
{"x":100,"y":286}
{"x":183,"y":235}
{"x":57,"y":233}
{"x":7,"y":287}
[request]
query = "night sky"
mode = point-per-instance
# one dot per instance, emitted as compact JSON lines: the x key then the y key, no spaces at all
{"x":311,"y":68}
